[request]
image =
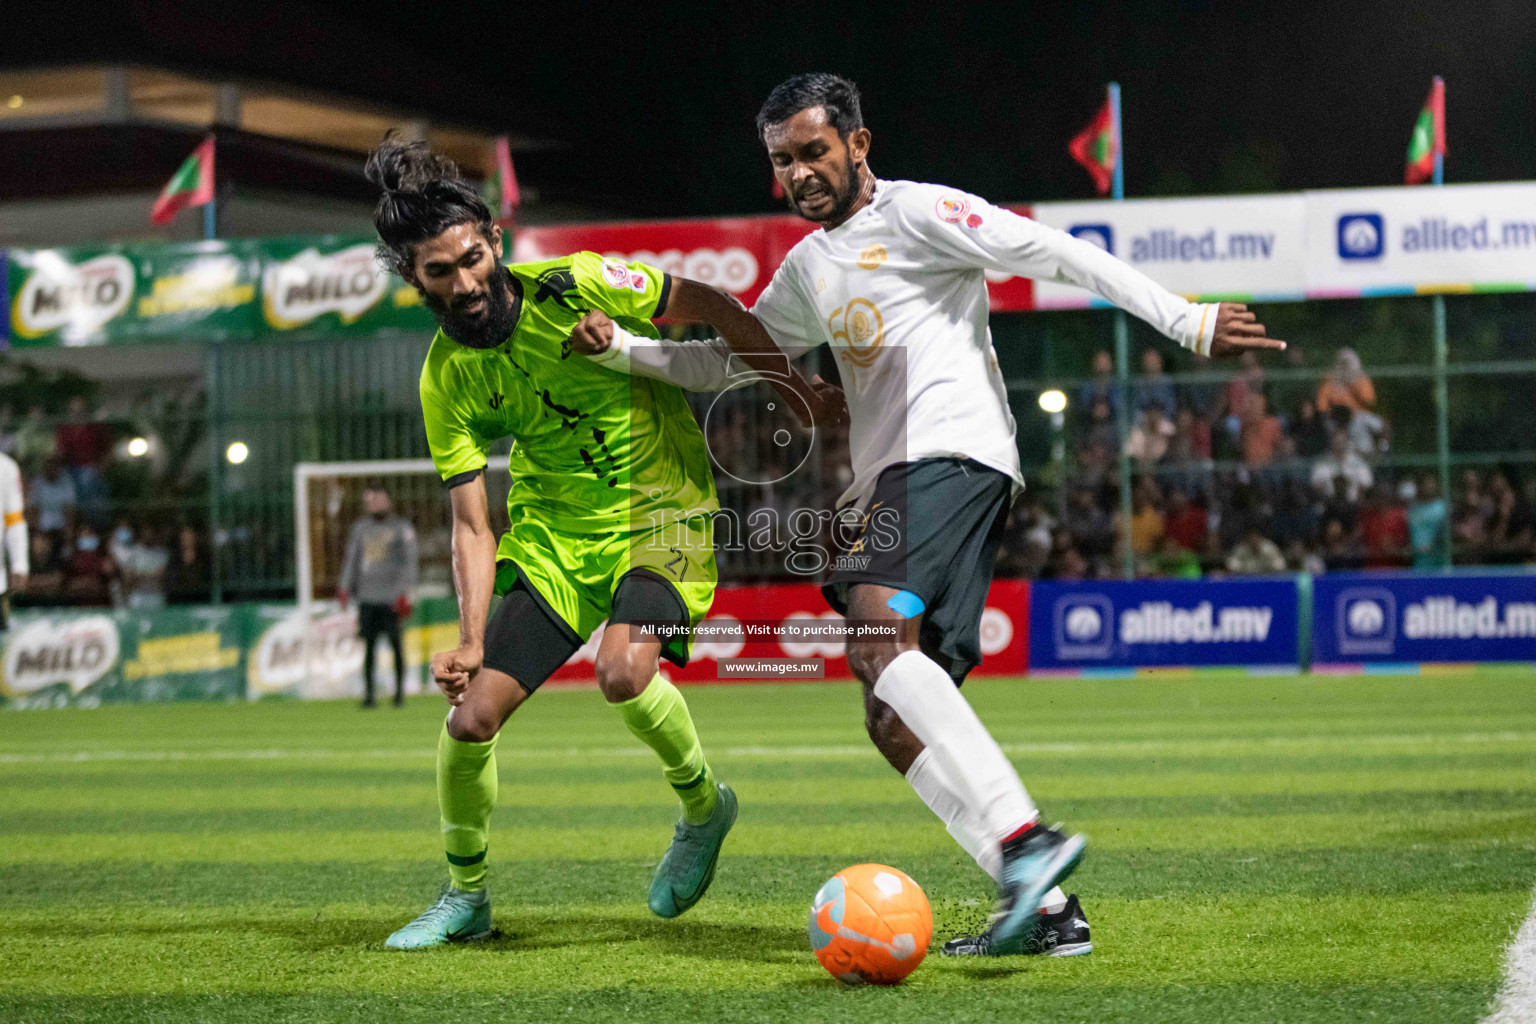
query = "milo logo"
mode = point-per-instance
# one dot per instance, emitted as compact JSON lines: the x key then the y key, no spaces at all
{"x":46,"y":652}
{"x":76,"y":299}
{"x":348,"y":283}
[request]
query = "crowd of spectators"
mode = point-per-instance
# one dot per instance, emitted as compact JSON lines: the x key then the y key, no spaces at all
{"x":1243,"y":476}
{"x":93,"y":538}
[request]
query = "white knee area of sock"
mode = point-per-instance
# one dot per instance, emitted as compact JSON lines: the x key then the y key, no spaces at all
{"x":1053,"y":902}
{"x":930,"y":704}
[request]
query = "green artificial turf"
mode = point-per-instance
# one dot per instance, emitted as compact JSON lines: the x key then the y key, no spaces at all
{"x":1260,"y":850}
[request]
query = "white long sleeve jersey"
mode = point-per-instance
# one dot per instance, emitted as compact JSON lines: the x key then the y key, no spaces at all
{"x":899,"y":292}
{"x":12,"y":509}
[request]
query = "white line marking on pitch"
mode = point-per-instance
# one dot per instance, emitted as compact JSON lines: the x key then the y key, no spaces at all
{"x":844,"y":750}
{"x":1517,"y":997}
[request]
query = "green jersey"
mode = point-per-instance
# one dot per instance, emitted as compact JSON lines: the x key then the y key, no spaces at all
{"x":594,"y":451}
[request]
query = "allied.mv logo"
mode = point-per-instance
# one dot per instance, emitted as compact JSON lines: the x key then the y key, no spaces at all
{"x":1085,"y":626}
{"x":1362,"y":236}
{"x":1101,"y":235}
{"x":1366,"y":620}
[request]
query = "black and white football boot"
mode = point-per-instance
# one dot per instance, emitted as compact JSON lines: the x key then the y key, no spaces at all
{"x":1063,"y":934}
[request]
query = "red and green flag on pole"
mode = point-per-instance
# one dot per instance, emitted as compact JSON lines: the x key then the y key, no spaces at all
{"x":1097,"y":147}
{"x":191,"y":185}
{"x":501,"y":191}
{"x":1428,"y":140}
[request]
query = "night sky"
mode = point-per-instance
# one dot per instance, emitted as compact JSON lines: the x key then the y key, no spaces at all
{"x":655,"y":102}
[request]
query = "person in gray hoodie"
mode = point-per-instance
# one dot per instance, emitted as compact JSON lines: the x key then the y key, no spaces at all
{"x":379,"y":573}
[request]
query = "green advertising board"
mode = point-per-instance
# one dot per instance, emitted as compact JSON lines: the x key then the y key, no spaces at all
{"x":203,"y":291}
{"x":83,"y":658}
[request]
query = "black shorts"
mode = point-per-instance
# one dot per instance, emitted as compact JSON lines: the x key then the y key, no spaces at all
{"x":932,"y":528}
{"x":376,"y":620}
{"x":528,"y":640}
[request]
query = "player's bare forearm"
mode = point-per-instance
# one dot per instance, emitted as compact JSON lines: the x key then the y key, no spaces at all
{"x":701,"y":303}
{"x":474,"y":577}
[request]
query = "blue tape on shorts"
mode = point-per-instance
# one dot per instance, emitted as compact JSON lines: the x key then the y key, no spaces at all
{"x":906,"y":604}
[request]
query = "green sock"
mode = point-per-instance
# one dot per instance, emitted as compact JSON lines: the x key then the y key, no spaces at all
{"x":466,"y":794}
{"x":659,"y":718}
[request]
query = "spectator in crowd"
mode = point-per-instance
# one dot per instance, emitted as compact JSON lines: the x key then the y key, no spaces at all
{"x":379,"y":572}
{"x":1426,"y":524}
{"x":143,"y":560}
{"x":1310,"y":430}
{"x":187,"y":576}
{"x":1296,"y":389}
{"x":46,"y":577}
{"x":1346,"y":385}
{"x":1383,"y":525}
{"x":1255,"y":554}
{"x":1102,"y":388}
{"x":34,"y":442}
{"x":1201,"y":396}
{"x":9,"y":431}
{"x":1474,"y":512}
{"x":1088,"y":524}
{"x":1300,"y":558}
{"x":1341,"y":553}
{"x":90,"y":571}
{"x":83,"y":444}
{"x":1066,"y":561}
{"x":1260,"y":433}
{"x":1153,"y":386}
{"x":1342,"y":474}
{"x":1248,"y":382}
{"x":1295,"y":514}
{"x":51,"y":499}
{"x":1150,"y":437}
{"x":1186,"y":521}
{"x":1147,"y":526}
{"x":1510,"y":527}
{"x":1367,"y":431}
{"x":1172,"y":559}
{"x":1102,"y":432}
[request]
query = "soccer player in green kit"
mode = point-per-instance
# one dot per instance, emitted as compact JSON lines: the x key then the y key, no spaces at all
{"x":609,"y":510}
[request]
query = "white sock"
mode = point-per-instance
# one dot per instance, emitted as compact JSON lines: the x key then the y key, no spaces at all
{"x":927,"y":778}
{"x":928,"y":701}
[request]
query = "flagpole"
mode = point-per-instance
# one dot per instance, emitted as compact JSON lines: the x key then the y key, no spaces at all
{"x":1442,"y":396}
{"x":1122,"y":360}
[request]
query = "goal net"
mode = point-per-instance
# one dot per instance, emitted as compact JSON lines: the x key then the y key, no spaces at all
{"x":315,"y":651}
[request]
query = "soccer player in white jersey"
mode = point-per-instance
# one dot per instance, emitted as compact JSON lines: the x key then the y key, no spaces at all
{"x":894,"y":284}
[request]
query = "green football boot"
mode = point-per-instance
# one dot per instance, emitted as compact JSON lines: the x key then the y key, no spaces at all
{"x":684,"y":874}
{"x":456,"y":916}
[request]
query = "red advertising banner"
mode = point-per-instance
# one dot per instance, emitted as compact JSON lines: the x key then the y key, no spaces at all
{"x":1004,"y":633}
{"x":738,"y":254}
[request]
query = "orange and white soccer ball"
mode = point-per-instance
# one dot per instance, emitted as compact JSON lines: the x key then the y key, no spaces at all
{"x":870,"y":923}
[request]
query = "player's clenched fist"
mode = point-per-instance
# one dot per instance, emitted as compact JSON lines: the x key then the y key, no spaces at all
{"x":452,"y":671}
{"x":593,"y":334}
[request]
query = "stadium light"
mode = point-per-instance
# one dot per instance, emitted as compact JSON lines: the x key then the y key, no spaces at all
{"x":138,"y":447}
{"x":237,"y":453}
{"x":15,"y":101}
{"x":1053,"y":401}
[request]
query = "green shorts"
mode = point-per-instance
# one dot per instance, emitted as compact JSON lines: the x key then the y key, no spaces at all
{"x":576,"y":574}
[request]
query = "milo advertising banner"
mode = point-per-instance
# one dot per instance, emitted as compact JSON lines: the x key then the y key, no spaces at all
{"x":326,"y":660}
{"x":334,"y":283}
{"x":82,"y":658}
{"x":202,"y":291}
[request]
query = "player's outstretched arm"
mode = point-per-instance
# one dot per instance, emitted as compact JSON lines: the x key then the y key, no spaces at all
{"x":997,"y":239}
{"x":702,"y":303}
{"x":474,"y":577}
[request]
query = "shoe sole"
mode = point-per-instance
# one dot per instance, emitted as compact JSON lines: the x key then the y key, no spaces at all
{"x":1075,"y":949}
{"x":1025,"y":916}
{"x":709,"y":875}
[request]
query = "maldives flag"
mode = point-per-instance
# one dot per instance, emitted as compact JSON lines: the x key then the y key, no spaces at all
{"x":191,"y":185}
{"x":1428,"y":136}
{"x":1095,"y":148}
{"x":501,"y":191}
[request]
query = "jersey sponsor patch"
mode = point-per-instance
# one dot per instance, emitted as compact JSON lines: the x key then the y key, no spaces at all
{"x":638,"y":281}
{"x":973,"y":221}
{"x":872,"y":257}
{"x":952,"y":209}
{"x":616,"y":274}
